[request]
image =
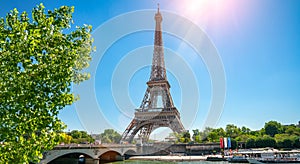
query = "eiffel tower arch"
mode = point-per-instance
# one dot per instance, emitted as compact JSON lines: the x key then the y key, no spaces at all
{"x":157,"y":108}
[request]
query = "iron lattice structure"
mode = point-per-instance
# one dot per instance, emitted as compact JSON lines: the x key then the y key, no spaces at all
{"x":157,"y":108}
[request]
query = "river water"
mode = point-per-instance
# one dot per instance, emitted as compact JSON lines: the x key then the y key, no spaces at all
{"x":160,"y":162}
{"x":183,"y":162}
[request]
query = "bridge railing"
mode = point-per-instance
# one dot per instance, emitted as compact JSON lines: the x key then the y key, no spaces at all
{"x":91,"y":146}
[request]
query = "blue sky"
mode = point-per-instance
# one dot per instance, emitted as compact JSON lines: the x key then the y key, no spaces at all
{"x":257,"y":41}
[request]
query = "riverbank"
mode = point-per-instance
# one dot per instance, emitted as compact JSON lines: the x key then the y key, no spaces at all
{"x":172,"y":158}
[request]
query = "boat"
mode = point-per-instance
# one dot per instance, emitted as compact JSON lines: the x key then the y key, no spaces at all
{"x":238,"y":159}
{"x":213,"y":158}
{"x":272,"y":156}
{"x":253,"y":161}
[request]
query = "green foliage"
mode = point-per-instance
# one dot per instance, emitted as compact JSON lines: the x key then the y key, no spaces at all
{"x":232,"y":130}
{"x":287,"y":136}
{"x":245,"y":130}
{"x":272,"y":128}
{"x":269,"y":141}
{"x":296,"y":142}
{"x":38,"y":64}
{"x":187,"y":137}
{"x":205,"y":133}
{"x":184,"y":137}
{"x":254,"y":133}
{"x":66,"y":139}
{"x":110,"y":136}
{"x":196,"y":136}
{"x":234,"y":144}
{"x":177,"y":136}
{"x":287,"y":141}
{"x":75,"y":134}
{"x":292,"y":130}
{"x":80,"y":137}
{"x":213,"y":136}
{"x":243,"y":137}
{"x":265,"y":141}
{"x":250,"y":143}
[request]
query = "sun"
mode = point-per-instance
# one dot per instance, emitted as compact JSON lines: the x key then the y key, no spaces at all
{"x":201,"y":8}
{"x":192,"y":6}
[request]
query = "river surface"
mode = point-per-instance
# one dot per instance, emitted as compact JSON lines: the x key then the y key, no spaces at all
{"x":184,"y":162}
{"x":160,"y":162}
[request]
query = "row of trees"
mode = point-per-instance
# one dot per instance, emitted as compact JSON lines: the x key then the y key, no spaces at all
{"x":273,"y":134}
{"x":76,"y":136}
{"x":80,"y":137}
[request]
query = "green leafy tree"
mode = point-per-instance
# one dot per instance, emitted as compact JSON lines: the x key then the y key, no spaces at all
{"x":80,"y":137}
{"x":187,"y":137}
{"x":184,"y":137}
{"x":196,"y":136}
{"x":232,"y":130}
{"x":259,"y":142}
{"x":285,"y":143}
{"x":292,"y":130}
{"x":66,"y":139}
{"x":273,"y":134}
{"x":234,"y":144}
{"x":250,"y":143}
{"x":245,"y":130}
{"x":205,"y":133}
{"x":38,"y":64}
{"x":272,"y":128}
{"x":110,"y":136}
{"x":296,"y":142}
{"x":254,"y":133}
{"x":221,"y":132}
{"x":269,"y":141}
{"x":243,"y":137}
{"x":84,"y":134}
{"x":213,"y":136}
{"x":75,"y":134}
{"x":177,"y":137}
{"x":287,"y":140}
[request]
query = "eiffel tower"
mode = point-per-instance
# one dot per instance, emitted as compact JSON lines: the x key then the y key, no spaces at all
{"x":157,"y":108}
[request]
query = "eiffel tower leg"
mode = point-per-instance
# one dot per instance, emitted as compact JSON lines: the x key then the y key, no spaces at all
{"x":132,"y":130}
{"x":145,"y":132}
{"x":130,"y":127}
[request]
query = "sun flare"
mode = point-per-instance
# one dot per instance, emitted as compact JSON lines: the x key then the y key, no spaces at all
{"x":195,"y":9}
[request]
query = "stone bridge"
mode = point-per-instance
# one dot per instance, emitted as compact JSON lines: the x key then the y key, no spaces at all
{"x":92,"y":153}
{"x":114,"y":152}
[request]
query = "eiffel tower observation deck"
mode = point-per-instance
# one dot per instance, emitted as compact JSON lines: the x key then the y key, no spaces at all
{"x":157,"y":108}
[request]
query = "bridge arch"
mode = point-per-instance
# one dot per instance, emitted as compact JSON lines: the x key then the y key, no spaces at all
{"x":110,"y":156}
{"x":71,"y":157}
{"x":55,"y":155}
{"x":129,"y":153}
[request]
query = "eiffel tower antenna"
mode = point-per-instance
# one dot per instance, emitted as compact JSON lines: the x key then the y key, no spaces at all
{"x":157,"y":108}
